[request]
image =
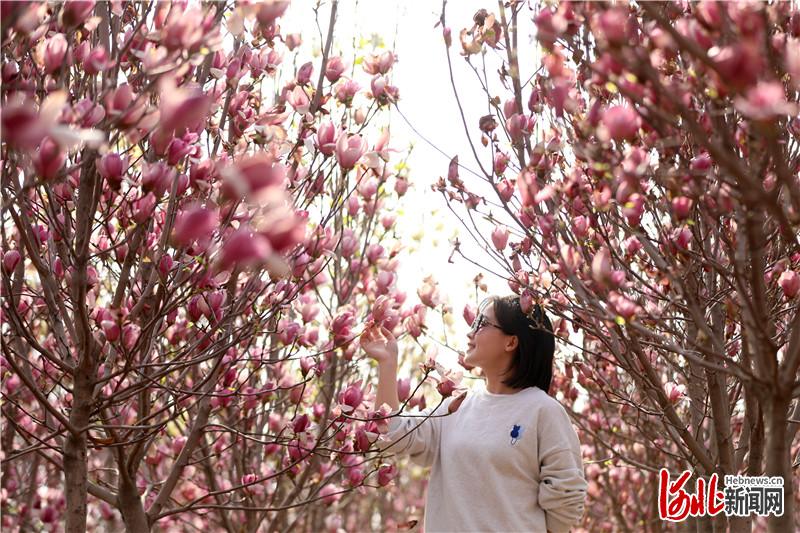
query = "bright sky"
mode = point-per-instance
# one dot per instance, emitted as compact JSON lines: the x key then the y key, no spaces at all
{"x":426,"y":100}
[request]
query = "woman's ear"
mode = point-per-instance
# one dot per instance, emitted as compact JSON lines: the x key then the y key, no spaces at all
{"x":512,"y":343}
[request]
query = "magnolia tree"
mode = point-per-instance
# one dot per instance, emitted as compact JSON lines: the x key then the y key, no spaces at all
{"x":641,"y":180}
{"x":196,"y":221}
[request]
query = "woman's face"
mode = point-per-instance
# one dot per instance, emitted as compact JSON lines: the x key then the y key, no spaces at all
{"x":488,"y":346}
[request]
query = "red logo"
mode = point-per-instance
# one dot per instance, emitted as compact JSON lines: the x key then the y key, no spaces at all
{"x":675,"y":504}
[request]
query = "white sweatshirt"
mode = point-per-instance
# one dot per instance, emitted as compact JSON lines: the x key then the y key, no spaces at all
{"x":502,"y":462}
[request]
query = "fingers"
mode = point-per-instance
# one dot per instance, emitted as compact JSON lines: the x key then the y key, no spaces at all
{"x":369,"y":333}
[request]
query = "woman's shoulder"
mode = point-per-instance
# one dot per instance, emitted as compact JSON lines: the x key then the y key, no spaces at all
{"x":544,"y":401}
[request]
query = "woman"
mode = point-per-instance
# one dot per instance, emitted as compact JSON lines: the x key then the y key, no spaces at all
{"x":502,"y":459}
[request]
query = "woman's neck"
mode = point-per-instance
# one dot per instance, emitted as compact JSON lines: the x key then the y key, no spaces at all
{"x":496,"y":386}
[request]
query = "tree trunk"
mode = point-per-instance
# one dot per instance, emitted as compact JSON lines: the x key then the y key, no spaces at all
{"x":75,"y":453}
{"x":130,"y":505}
{"x":779,"y":461}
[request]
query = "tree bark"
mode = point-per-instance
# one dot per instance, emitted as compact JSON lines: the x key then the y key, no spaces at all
{"x":130,"y":505}
{"x":779,"y":461}
{"x":75,"y":453}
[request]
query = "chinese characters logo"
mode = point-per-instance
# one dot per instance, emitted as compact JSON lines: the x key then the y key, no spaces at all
{"x":741,"y":496}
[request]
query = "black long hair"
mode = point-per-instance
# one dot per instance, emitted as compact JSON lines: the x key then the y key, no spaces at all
{"x":532,"y":364}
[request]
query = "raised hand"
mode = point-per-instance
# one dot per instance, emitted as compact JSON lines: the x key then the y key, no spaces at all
{"x":379,"y":344}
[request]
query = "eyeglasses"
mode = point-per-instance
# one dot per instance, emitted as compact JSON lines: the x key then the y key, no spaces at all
{"x":480,"y":322}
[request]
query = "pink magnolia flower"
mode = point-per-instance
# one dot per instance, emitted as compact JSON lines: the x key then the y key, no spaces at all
{"x":739,"y":66}
{"x":701,"y":163}
{"x":500,"y":237}
{"x":299,"y":100}
{"x":342,"y":326}
{"x":157,"y":178}
{"x":75,"y":12}
{"x":446,"y":387}
{"x":283,"y":227}
{"x":301,"y":423}
{"x":388,"y":220}
{"x":353,"y":205}
{"x":708,"y":13}
{"x":384,"y":281}
{"x":184,"y":29}
{"x":88,"y":113}
{"x":380,"y":308}
{"x":623,"y":306}
{"x":111,"y":330}
{"x":130,"y":335}
{"x":304,"y":73}
{"x":379,"y":64}
{"x":674,"y":392}
{"x":22,"y":126}
{"x":526,"y":183}
{"x":429,"y":293}
{"x":48,"y":515}
{"x":526,"y":302}
{"x":549,"y":27}
{"x":49,"y":159}
{"x":165,"y":265}
{"x":632,"y":245}
{"x":178,"y":149}
{"x":765,"y":101}
{"x":580,"y":226}
{"x":327,"y":134}
{"x":469,"y":313}
{"x":10,"y":72}
{"x":633,"y":209}
{"x":349,"y":149}
{"x":505,"y":189}
{"x":270,"y":10}
{"x":415,"y":323}
{"x":500,"y":163}
{"x":601,"y":266}
{"x":253,"y":173}
{"x":571,"y":258}
{"x":386,"y":474}
{"x":10,"y":260}
{"x":362,"y":442}
{"x":355,"y":476}
{"x":681,"y":207}
{"x":519,"y":126}
{"x":611,"y":26}
{"x":55,"y":53}
{"x":96,"y":61}
{"x":681,"y":237}
{"x":403,"y":388}
{"x":793,"y":60}
{"x":124,"y":106}
{"x":182,"y":107}
{"x":789,"y":281}
{"x":330,"y":494}
{"x":194,"y":222}
{"x":374,"y":252}
{"x":346,"y":90}
{"x":447,"y":36}
{"x":306,"y":364}
{"x":143,"y":208}
{"x":244,"y":248}
{"x":401,"y":185}
{"x":334,"y":68}
{"x":352,"y":397}
{"x":620,"y":123}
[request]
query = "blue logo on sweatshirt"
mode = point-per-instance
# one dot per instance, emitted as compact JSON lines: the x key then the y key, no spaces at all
{"x":516,"y":434}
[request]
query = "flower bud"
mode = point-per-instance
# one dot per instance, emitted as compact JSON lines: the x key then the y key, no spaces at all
{"x":55,"y":53}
